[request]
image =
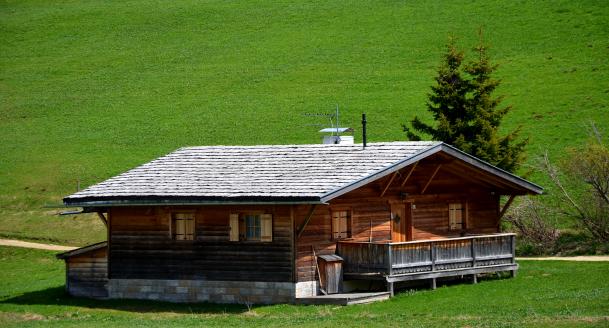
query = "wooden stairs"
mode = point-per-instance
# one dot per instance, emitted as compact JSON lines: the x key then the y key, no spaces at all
{"x":345,"y":298}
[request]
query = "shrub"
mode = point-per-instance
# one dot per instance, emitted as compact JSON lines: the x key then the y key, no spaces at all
{"x":535,"y":225}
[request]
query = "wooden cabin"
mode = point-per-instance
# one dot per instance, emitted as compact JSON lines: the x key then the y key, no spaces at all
{"x":246,"y":224}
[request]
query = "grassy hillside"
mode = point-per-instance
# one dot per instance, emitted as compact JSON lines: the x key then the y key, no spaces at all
{"x":89,"y":89}
{"x":544,"y":294}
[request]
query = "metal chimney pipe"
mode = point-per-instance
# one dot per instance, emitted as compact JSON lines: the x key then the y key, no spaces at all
{"x":364,"y":130}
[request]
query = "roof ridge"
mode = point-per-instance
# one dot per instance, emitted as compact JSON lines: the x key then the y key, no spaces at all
{"x":320,"y":145}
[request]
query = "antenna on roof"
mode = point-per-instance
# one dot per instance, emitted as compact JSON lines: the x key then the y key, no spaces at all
{"x":337,"y":117}
{"x":364,"y":129}
{"x":335,"y":129}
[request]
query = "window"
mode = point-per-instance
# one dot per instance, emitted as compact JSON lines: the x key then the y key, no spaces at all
{"x":341,"y":224}
{"x":251,"y":227}
{"x":183,"y":226}
{"x":455,"y":216}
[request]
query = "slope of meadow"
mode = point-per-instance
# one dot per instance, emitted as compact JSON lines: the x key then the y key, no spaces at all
{"x":89,"y":89}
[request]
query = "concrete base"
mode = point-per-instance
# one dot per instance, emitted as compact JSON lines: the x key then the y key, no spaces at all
{"x":306,"y":289}
{"x":192,"y":291}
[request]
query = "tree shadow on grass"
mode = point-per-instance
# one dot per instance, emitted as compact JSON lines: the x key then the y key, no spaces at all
{"x":57,"y":296}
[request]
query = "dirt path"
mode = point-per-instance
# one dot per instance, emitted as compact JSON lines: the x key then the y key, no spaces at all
{"x":25,"y":244}
{"x":591,"y":258}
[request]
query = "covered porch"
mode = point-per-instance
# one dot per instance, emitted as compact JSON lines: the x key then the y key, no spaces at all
{"x":428,"y":259}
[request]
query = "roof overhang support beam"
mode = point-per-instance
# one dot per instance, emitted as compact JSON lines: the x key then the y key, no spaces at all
{"x":306,"y":221}
{"x":494,"y":171}
{"x":389,"y":183}
{"x":431,"y":178}
{"x":506,"y":206}
{"x":102,"y":218}
{"x":409,"y":173}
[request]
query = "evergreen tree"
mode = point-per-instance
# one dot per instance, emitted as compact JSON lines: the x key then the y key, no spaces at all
{"x":466,"y":113}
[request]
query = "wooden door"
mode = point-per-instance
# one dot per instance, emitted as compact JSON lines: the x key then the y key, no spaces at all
{"x":401,"y":222}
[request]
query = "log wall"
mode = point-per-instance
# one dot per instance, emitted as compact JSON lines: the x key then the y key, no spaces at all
{"x":427,"y":198}
{"x":141,"y":246}
{"x":87,"y":274}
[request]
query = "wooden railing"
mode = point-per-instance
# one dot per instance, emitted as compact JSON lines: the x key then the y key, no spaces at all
{"x":427,"y":255}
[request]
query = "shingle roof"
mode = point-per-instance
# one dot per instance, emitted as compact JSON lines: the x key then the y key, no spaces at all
{"x":240,"y":173}
{"x":82,"y":250}
{"x":294,"y":171}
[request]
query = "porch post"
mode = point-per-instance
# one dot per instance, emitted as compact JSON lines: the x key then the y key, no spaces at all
{"x":389,"y":260}
{"x":390,"y":288}
{"x":513,"y":242}
{"x":432,"y":253}
{"x":473,"y":250}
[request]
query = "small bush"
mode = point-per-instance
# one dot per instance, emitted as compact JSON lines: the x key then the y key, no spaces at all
{"x":582,"y":182}
{"x":571,"y":243}
{"x":533,"y":222}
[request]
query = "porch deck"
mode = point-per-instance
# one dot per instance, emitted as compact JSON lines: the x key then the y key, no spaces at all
{"x":428,"y":259}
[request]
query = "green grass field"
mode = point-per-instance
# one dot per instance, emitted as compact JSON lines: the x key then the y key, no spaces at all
{"x":90,"y":89}
{"x":544,"y":294}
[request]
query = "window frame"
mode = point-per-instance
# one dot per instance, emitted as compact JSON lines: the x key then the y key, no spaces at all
{"x":257,"y":227}
{"x":242,"y":226}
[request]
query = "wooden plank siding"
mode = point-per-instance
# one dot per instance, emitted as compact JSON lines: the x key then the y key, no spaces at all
{"x":87,"y":274}
{"x":141,"y":246}
{"x":370,"y":213}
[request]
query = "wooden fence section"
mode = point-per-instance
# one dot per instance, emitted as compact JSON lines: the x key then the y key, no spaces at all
{"x":427,"y":256}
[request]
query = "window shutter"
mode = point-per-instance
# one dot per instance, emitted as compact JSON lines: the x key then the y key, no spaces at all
{"x":343,"y":225}
{"x":455,"y":216}
{"x":190,"y":229}
{"x":179,"y":229}
{"x":266,"y":222}
{"x":234,"y":227}
{"x":335,"y":227}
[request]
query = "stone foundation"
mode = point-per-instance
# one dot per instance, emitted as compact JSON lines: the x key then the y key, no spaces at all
{"x":192,"y":291}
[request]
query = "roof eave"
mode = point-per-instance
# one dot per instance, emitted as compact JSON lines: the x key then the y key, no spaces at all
{"x":530,"y":187}
{"x":185,"y":201}
{"x":82,"y":250}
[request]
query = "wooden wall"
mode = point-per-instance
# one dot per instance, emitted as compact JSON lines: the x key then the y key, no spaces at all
{"x":370,"y":207}
{"x":369,"y":221}
{"x":87,"y":274}
{"x":430,"y":214}
{"x":141,"y":246}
